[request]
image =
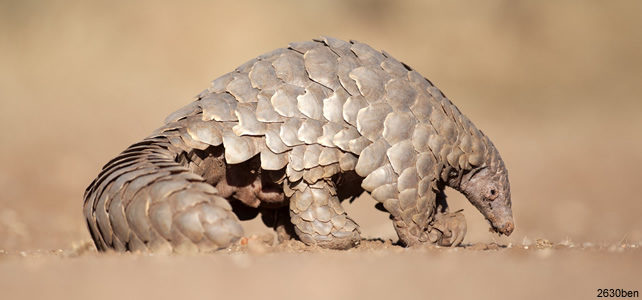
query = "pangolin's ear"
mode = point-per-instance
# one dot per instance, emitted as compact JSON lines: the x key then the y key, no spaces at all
{"x":491,"y":192}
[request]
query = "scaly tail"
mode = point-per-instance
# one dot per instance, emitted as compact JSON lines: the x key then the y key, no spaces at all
{"x":144,"y":200}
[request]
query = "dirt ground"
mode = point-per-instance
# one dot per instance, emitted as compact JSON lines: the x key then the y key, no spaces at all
{"x":556,"y":85}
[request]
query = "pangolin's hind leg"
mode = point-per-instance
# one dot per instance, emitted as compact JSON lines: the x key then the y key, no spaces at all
{"x":319,"y":219}
{"x":145,"y":201}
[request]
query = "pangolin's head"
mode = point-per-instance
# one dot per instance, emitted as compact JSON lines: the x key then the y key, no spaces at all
{"x":488,"y":189}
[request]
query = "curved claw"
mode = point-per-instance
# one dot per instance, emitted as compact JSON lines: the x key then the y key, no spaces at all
{"x":451,"y":229}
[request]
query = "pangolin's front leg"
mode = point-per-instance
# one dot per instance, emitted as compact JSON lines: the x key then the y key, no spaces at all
{"x":448,"y":229}
{"x":425,"y":218}
{"x":319,"y":219}
{"x":411,"y":214}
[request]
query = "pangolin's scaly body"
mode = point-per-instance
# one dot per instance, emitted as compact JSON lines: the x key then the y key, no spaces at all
{"x":287,"y":129}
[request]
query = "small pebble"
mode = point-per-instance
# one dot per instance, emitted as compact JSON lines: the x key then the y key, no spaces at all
{"x":543,"y":243}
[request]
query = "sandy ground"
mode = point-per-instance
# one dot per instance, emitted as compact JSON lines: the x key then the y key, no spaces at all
{"x":556,"y":85}
{"x":372,"y":271}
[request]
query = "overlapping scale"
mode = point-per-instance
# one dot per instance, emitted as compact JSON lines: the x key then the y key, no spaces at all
{"x":321,"y":65}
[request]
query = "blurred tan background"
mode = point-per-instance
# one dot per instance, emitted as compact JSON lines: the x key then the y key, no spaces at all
{"x":555,"y":84}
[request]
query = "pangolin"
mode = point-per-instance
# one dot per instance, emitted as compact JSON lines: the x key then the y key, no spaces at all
{"x":292,"y":133}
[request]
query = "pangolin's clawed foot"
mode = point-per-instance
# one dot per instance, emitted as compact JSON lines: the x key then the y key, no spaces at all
{"x":448,"y":229}
{"x":319,"y":219}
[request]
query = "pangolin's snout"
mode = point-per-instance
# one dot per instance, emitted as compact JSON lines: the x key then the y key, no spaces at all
{"x":507,"y":229}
